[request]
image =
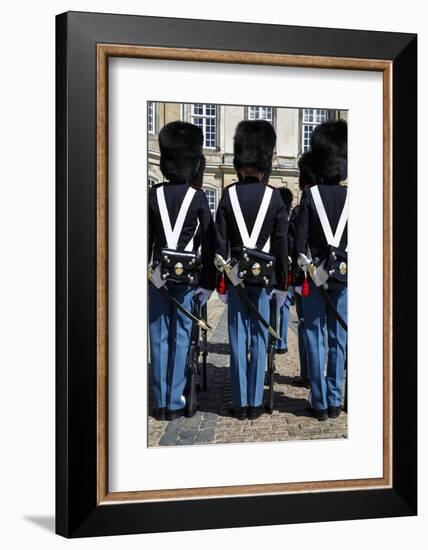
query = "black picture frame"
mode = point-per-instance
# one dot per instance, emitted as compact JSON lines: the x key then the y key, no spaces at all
{"x":78,"y":513}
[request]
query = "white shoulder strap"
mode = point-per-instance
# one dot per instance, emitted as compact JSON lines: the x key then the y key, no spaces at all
{"x":333,"y":240}
{"x":248,"y":240}
{"x":266,"y":247}
{"x":173,"y":235}
{"x":189,"y":246}
{"x":243,"y":231}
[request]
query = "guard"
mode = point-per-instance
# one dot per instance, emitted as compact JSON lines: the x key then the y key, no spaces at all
{"x":295,"y":276}
{"x":321,"y":245}
{"x":283,"y":314}
{"x":177,"y":272}
{"x":251,"y":247}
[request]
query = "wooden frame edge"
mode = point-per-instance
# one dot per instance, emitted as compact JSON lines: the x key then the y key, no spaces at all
{"x":387,"y":274}
{"x":241,"y":57}
{"x":102,"y":271}
{"x":104,"y":51}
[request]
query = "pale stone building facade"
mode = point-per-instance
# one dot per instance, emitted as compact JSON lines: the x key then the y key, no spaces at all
{"x":218,"y":122}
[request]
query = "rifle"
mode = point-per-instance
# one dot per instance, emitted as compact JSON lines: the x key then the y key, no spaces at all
{"x":192,"y":364}
{"x":271,"y":355}
{"x":204,"y":349}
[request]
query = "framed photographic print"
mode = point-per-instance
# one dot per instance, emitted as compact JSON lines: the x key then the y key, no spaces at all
{"x":217,"y":365}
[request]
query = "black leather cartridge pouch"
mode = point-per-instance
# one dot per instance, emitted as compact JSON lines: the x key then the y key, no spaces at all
{"x":256,"y":267}
{"x":180,"y":267}
{"x":336,"y":264}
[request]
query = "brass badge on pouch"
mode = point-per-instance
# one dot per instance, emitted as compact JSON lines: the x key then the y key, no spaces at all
{"x":178,"y":269}
{"x":256,"y":269}
{"x":342,"y":268}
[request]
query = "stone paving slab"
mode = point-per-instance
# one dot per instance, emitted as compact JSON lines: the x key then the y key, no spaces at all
{"x":212,"y":424}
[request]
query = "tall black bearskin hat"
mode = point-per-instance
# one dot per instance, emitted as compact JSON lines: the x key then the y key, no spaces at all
{"x":306,"y":170}
{"x":329,"y":146}
{"x":180,"y":145}
{"x":287,"y":197}
{"x":266,"y":175}
{"x":198,"y":178}
{"x":254,"y":143}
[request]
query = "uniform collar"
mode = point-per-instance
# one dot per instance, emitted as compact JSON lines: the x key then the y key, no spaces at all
{"x":175,"y":182}
{"x":331,"y":181}
{"x":250,"y":179}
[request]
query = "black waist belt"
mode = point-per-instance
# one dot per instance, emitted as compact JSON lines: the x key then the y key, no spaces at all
{"x":180,"y":267}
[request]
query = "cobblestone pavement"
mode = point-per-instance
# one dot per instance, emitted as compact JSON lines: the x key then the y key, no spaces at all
{"x":213,"y":424}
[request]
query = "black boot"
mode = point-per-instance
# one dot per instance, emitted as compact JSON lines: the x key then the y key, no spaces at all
{"x":172,"y":414}
{"x":319,"y":414}
{"x":334,"y":412}
{"x":255,"y":412}
{"x":159,"y":413}
{"x":241,"y":413}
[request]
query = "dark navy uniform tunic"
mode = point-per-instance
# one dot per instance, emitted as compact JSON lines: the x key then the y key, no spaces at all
{"x":308,"y":226}
{"x":250,"y":193}
{"x":292,"y":233}
{"x":198,"y":212}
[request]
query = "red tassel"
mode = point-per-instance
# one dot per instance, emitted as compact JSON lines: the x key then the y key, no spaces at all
{"x":305,"y":287}
{"x":222,"y":286}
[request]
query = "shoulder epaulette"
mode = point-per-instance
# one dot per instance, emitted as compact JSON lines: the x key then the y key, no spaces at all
{"x":156,"y":185}
{"x":272,"y":186}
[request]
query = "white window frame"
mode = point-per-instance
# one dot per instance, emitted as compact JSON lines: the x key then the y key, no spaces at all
{"x":310,"y":119}
{"x":151,"y":119}
{"x":205,"y":117}
{"x":213,"y":190}
{"x":259,"y":112}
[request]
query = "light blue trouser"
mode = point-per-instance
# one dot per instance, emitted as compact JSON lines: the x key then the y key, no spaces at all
{"x":326,"y":389}
{"x":170,"y":332}
{"x":283,"y":314}
{"x":246,"y":334}
{"x":301,"y":337}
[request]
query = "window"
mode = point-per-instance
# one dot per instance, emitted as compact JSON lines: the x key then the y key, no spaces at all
{"x":151,"y":118}
{"x":306,"y":135}
{"x":211,"y":196}
{"x":260,"y":113}
{"x":311,"y":119}
{"x":204,"y":115}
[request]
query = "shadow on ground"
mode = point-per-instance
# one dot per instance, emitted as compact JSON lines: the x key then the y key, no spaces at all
{"x":45,"y":522}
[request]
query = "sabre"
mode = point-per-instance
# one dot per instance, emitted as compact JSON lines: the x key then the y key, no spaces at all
{"x":319,"y":276}
{"x":157,"y":281}
{"x":232,"y":275}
